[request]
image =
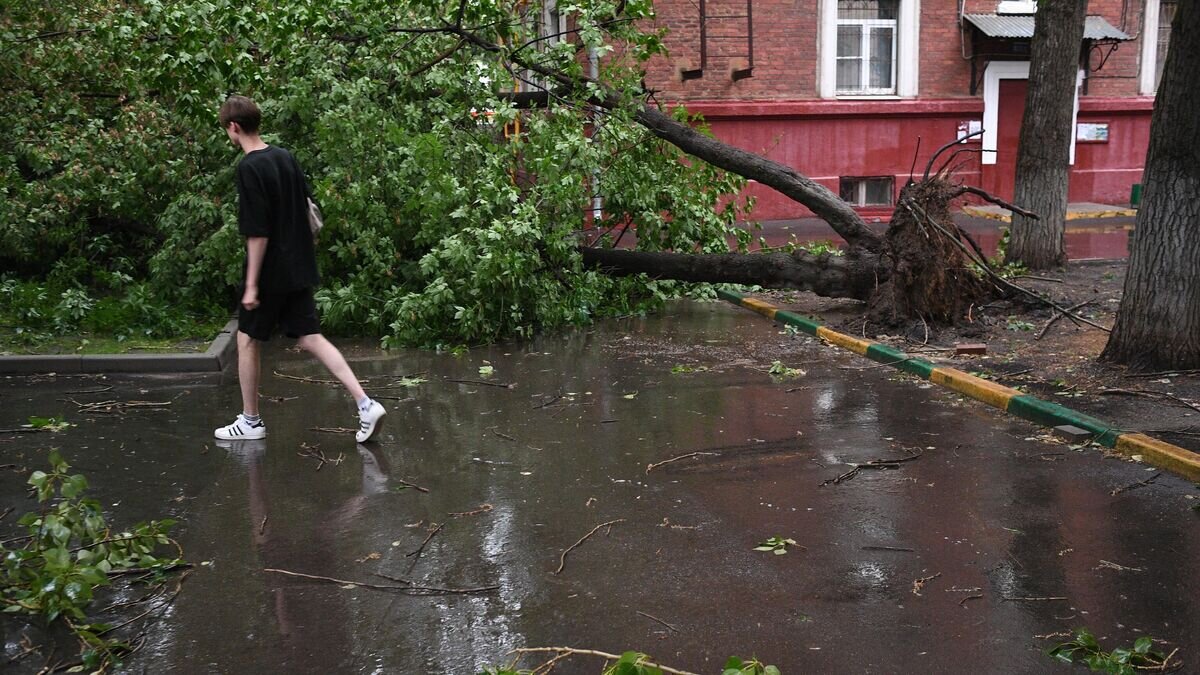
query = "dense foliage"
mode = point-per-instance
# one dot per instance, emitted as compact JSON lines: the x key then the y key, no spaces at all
{"x":452,"y":217}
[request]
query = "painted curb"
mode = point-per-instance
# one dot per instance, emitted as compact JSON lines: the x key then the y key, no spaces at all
{"x":220,"y":353}
{"x":1153,"y":451}
{"x":1006,"y":217}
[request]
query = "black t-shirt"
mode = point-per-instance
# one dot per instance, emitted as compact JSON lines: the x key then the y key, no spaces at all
{"x":272,"y":194}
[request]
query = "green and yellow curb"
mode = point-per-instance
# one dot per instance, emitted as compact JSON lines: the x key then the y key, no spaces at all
{"x":1006,"y":217}
{"x":1151,"y":450}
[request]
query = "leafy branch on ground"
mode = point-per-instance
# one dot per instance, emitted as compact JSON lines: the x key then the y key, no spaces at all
{"x":778,"y":545}
{"x":779,"y":370}
{"x":629,"y":663}
{"x":69,"y":552}
{"x":1084,"y":648}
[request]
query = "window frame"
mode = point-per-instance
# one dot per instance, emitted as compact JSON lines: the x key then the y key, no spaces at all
{"x":865,"y":54}
{"x":905,"y":60}
{"x":860,"y":190}
{"x":1152,"y":25}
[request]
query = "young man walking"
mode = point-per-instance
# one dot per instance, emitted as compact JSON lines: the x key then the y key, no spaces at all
{"x":280,"y":272}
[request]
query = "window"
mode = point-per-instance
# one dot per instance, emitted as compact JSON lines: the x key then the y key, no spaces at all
{"x":1156,"y":36}
{"x":1166,"y":14}
{"x":550,"y":25}
{"x":873,"y":191}
{"x":866,"y":46}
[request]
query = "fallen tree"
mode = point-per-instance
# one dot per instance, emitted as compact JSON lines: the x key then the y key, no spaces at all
{"x":920,"y":268}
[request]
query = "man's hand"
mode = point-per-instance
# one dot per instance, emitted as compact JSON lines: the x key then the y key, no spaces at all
{"x":250,"y":298}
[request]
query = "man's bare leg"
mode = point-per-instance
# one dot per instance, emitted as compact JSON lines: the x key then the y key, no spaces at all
{"x":249,"y":372}
{"x":332,"y":359}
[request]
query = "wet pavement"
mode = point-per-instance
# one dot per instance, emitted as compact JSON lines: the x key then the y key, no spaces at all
{"x":989,"y":512}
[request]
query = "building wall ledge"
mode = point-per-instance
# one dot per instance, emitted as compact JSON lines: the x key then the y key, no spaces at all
{"x":888,"y":107}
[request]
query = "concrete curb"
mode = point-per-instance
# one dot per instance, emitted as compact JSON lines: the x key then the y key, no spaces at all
{"x":1006,"y":217}
{"x":220,"y":353}
{"x":1153,"y":451}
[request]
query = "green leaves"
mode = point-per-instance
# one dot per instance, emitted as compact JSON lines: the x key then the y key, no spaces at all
{"x":632,"y":663}
{"x":443,"y":229}
{"x":736,"y":666}
{"x":68,"y":553}
{"x":779,"y":370}
{"x":776,"y":545}
{"x":1083,"y":647}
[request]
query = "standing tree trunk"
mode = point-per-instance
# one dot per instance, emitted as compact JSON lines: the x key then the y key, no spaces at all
{"x":1043,"y":153}
{"x":1158,"y":323}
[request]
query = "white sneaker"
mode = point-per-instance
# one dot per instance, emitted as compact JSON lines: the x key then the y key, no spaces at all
{"x":370,"y":421}
{"x":241,"y":430}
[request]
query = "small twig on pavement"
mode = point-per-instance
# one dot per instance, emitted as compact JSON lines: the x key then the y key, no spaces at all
{"x":1134,"y":486}
{"x":316,"y":453}
{"x":1030,"y":276}
{"x":651,"y":467}
{"x":548,"y":402}
{"x":422,"y":546}
{"x":1035,"y":599}
{"x":593,"y":652}
{"x":962,"y":603}
{"x":502,"y":385}
{"x":562,"y":561}
{"x":312,"y":380}
{"x":918,"y":584}
{"x":1105,"y":564}
{"x":502,"y":435}
{"x":1058,"y":315}
{"x":655,"y":618}
{"x":1162,"y":373}
{"x":1152,"y":394}
{"x":332,"y":430}
{"x":90,"y":391}
{"x":414,"y":486}
{"x":262,"y":527}
{"x":341,"y":582}
{"x":887,"y":548}
{"x":429,"y":590}
{"x":483,"y":508}
{"x":873,"y":464}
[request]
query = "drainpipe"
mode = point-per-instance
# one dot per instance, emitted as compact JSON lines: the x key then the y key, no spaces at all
{"x":597,"y":201}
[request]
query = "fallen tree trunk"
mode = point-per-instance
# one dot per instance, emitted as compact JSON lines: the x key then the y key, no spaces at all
{"x":921,"y":272}
{"x":825,"y":274}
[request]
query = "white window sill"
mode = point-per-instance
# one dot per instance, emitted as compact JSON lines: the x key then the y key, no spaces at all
{"x":868,"y":97}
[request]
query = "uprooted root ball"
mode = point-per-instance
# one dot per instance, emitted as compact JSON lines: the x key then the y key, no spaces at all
{"x":931,"y":277}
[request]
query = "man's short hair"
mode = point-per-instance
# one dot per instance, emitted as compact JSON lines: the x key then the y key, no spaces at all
{"x":242,"y":110}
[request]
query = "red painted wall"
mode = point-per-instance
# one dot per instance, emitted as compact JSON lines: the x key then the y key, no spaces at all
{"x":777,"y":112}
{"x":1104,"y":172}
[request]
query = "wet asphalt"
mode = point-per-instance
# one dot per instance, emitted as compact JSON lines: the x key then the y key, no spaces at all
{"x":984,"y":509}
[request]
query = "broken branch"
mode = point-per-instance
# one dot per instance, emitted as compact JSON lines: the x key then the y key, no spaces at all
{"x":562,"y":561}
{"x":593,"y":652}
{"x":651,"y":467}
{"x":422,"y":546}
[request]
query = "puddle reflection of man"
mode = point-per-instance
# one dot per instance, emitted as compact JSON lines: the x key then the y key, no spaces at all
{"x":304,"y":624}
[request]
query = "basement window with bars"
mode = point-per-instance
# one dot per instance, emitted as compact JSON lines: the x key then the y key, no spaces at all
{"x":866,"y":46}
{"x":868,"y":191}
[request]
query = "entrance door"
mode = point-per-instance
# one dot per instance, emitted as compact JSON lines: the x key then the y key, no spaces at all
{"x":1010,"y":110}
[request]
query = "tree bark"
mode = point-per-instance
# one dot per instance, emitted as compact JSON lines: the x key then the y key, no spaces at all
{"x":1043,"y":152}
{"x":831,"y":276}
{"x":819,"y":199}
{"x":1158,"y":322}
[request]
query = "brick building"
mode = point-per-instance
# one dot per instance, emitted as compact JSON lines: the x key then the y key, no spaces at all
{"x":842,"y":89}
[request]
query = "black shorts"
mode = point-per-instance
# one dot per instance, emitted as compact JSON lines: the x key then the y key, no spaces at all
{"x":295,"y":311}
